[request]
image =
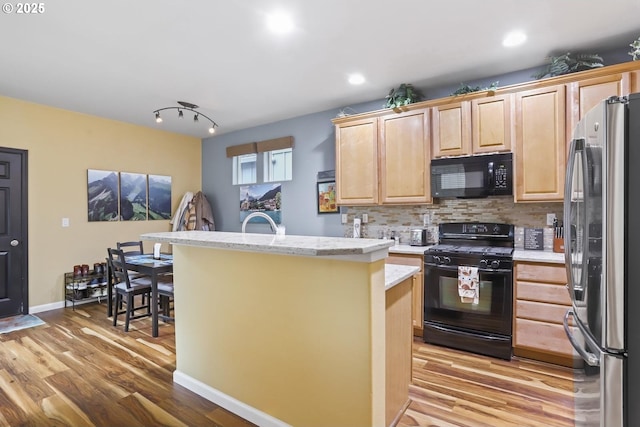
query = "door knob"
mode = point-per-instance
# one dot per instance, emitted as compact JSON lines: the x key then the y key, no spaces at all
{"x":14,"y":242}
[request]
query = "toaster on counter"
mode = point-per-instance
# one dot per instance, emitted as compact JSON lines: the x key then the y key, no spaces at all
{"x":419,"y":237}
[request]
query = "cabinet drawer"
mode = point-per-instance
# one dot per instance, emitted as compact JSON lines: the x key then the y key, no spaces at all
{"x":546,"y":337}
{"x":546,"y":273}
{"x":543,"y":292}
{"x":552,"y":313}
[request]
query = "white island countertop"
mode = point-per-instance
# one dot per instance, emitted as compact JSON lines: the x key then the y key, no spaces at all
{"x":276,"y":244}
{"x":396,"y":273}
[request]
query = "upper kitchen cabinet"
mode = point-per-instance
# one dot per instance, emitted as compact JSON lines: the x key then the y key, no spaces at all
{"x":480,"y":125}
{"x":451,"y":129}
{"x":383,"y":159}
{"x":491,"y":123}
{"x":540,"y":144}
{"x":583,"y":95}
{"x":357,"y":162}
{"x":404,"y":157}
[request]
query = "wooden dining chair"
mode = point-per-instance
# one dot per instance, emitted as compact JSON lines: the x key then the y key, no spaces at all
{"x":128,"y":288}
{"x":131,"y":248}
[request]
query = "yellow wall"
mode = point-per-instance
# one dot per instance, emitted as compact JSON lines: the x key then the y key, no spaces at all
{"x":299,"y":338}
{"x":61,"y":146}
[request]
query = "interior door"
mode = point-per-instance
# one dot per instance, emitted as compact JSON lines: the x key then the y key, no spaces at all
{"x":13,"y":232}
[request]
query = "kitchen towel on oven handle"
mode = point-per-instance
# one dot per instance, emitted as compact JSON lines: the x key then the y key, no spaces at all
{"x":468,"y":284}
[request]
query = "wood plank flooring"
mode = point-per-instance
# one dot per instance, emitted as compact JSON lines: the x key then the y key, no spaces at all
{"x":457,"y":389}
{"x":78,"y":370}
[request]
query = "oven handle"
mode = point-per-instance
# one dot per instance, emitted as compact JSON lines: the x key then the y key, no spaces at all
{"x":455,"y":268}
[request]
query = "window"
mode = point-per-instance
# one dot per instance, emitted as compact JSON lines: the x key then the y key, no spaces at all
{"x":278,"y":165}
{"x":244,"y":169}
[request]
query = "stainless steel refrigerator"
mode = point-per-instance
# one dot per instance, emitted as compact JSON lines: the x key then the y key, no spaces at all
{"x":602,"y":251}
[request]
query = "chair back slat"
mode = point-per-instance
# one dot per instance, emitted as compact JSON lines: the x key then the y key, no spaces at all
{"x":117,"y":264}
{"x":131,"y":248}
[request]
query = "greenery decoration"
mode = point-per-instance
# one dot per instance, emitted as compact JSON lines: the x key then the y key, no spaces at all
{"x":465,"y":88}
{"x":404,"y":94}
{"x":568,"y":63}
{"x":635,"y":53}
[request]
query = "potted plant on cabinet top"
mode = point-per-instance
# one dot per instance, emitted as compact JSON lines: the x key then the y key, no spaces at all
{"x":404,"y":94}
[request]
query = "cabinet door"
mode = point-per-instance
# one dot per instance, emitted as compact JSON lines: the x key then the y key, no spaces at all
{"x":540,"y":144}
{"x":491,"y":123}
{"x":451,"y":129}
{"x":417,"y":311}
{"x":405,"y":158}
{"x":357,"y":162}
{"x":634,"y":78}
{"x":586,"y":94}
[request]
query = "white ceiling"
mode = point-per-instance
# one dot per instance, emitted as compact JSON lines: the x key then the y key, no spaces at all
{"x":123,"y":59}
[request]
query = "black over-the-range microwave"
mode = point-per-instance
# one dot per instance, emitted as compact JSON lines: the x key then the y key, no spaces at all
{"x":472,"y":176}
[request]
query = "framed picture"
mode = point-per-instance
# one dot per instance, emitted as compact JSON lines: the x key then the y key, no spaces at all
{"x":266,"y":198}
{"x":159,"y":196}
{"x":327,"y":197}
{"x":102,"y":195}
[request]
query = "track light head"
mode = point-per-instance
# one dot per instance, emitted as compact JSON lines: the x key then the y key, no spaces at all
{"x":180,"y":115}
{"x":158,"y":118}
{"x":212,"y":130}
{"x":195,"y":117}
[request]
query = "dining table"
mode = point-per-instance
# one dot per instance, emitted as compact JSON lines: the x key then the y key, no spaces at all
{"x":147,"y":265}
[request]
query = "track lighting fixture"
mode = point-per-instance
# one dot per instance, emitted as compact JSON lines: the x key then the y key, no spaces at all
{"x":188,"y":107}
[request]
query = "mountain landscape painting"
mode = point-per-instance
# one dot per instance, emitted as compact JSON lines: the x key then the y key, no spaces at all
{"x":102,"y":195}
{"x":265,"y":198}
{"x":133,"y":196}
{"x":159,"y":197}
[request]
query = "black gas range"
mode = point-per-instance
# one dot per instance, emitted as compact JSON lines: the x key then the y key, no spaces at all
{"x":482,"y":324}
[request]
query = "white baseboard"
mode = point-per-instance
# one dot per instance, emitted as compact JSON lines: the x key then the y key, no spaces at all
{"x":46,"y":307}
{"x":229,"y":403}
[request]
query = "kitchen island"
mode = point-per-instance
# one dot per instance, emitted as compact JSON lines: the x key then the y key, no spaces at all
{"x":288,"y":330}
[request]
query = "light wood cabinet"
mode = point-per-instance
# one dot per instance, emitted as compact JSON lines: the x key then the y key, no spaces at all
{"x":384,"y":159}
{"x":451,"y":129}
{"x":357,"y":162}
{"x":541,"y":301}
{"x":404,"y":158}
{"x":417,"y":311}
{"x":491,"y":122}
{"x":398,"y":357}
{"x":540,"y":144}
{"x":585,"y":94}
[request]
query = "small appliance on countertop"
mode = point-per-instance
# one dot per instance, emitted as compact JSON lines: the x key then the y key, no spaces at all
{"x":423,"y":236}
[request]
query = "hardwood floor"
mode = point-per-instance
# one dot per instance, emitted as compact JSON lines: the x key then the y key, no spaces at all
{"x":458,"y":389}
{"x":78,"y":370}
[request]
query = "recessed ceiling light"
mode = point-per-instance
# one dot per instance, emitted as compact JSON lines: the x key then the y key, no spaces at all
{"x":356,"y":79}
{"x":514,"y":38}
{"x":280,"y":22}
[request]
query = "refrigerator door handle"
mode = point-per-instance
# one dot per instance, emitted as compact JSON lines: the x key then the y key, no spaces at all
{"x":590,"y":358}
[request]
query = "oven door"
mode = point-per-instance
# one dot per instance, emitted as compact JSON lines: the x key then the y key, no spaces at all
{"x":443,"y":305}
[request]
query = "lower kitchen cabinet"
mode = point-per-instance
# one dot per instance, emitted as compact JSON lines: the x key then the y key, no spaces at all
{"x":541,"y":300}
{"x":417,"y":311}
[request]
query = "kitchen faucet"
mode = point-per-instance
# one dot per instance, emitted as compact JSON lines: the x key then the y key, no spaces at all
{"x":272,"y":223}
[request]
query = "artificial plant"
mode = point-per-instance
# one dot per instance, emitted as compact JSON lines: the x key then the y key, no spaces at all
{"x":404,"y":94}
{"x":569,"y":63}
{"x":635,"y":53}
{"x":465,"y":88}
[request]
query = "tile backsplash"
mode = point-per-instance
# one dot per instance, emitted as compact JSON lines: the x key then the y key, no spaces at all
{"x":401,"y":219}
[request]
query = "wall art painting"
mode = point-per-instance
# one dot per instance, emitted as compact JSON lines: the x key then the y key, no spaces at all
{"x":159,"y":197}
{"x":327,"y":197}
{"x":102,"y":195}
{"x":265,"y":198}
{"x":133,"y":196}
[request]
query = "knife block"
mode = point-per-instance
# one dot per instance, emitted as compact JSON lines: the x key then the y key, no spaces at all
{"x":558,"y":244}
